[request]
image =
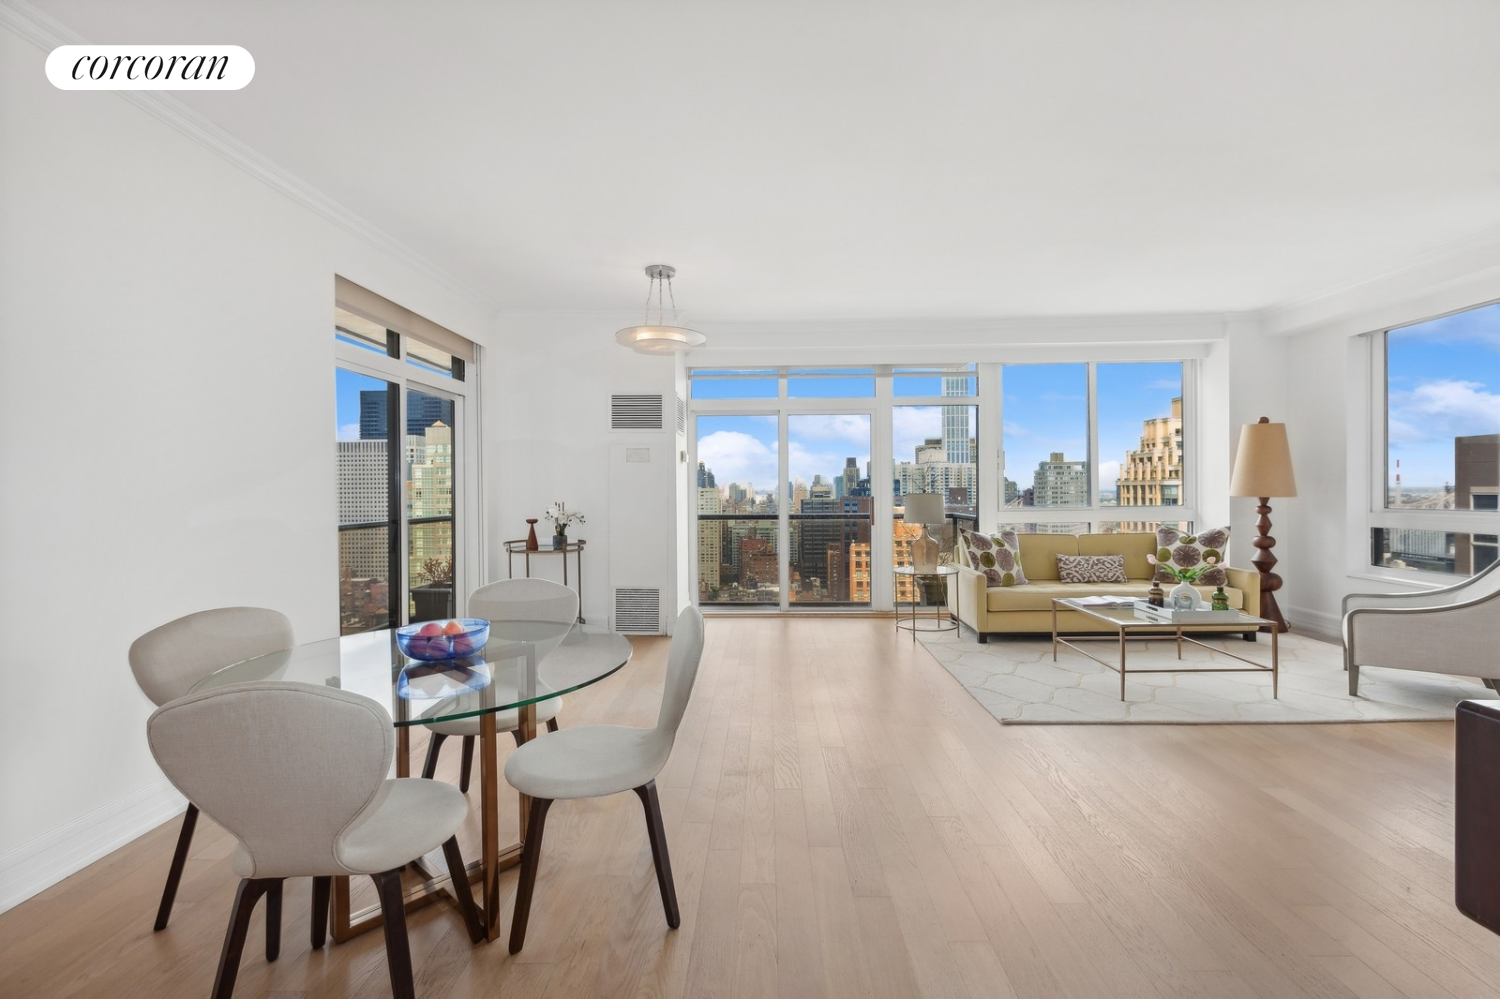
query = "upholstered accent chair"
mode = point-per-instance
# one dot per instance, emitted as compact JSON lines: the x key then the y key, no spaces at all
{"x":596,"y":760}
{"x":296,"y":772}
{"x":1455,"y":629}
{"x":168,"y":660}
{"x":507,"y":600}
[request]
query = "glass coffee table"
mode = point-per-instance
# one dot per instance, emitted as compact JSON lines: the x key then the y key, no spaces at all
{"x":1126,"y":625}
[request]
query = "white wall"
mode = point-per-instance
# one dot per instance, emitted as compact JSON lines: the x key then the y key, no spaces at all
{"x":167,"y":398}
{"x":1318,"y":548}
{"x":547,"y":396}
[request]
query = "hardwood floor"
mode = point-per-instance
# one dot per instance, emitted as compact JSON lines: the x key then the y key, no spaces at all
{"x":845,"y":821}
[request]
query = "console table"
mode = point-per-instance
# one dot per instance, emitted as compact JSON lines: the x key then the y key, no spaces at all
{"x":574,"y":548}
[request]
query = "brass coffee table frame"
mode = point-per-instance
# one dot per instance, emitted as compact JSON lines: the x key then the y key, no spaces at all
{"x":1164,"y":629}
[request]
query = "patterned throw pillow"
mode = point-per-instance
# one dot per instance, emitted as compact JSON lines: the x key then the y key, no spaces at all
{"x":1091,"y":569}
{"x":998,"y":556}
{"x":1188,"y":550}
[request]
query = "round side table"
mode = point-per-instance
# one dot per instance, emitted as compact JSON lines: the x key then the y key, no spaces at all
{"x":939,"y":621}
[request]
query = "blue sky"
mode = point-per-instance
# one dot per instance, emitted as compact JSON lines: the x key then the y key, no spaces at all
{"x":1045,"y":410}
{"x":1443,"y":382}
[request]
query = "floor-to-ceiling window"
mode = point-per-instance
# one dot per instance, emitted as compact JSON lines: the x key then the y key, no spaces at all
{"x":798,"y":466}
{"x":400,"y":420}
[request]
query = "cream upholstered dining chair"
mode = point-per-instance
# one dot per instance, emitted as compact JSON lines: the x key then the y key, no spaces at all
{"x":168,"y":660}
{"x":296,"y":772}
{"x":507,"y":600}
{"x":596,"y":760}
{"x":1455,"y":629}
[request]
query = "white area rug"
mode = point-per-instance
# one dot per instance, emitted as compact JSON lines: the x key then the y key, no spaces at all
{"x":1017,"y":682}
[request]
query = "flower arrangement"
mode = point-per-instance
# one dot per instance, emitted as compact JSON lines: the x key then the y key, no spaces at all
{"x":561,"y":517}
{"x":1185,"y":574}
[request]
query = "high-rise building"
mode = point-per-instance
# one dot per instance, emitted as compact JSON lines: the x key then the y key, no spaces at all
{"x":1060,"y":482}
{"x":422,"y":411}
{"x":849,"y":481}
{"x":710,"y":537}
{"x":1152,"y":474}
{"x":430,"y":495}
{"x":1476,"y":486}
{"x":956,"y":441}
{"x":705,"y":477}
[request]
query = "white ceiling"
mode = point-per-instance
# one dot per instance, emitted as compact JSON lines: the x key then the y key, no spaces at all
{"x":874,"y":159}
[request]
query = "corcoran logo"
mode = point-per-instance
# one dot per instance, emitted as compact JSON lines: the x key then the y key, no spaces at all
{"x":150,"y":67}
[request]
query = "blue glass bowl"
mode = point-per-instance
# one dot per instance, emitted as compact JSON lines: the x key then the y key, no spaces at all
{"x":436,"y":648}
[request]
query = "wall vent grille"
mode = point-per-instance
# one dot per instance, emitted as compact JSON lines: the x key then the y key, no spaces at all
{"x":635,"y":412}
{"x":681,"y":416}
{"x":638,"y":610}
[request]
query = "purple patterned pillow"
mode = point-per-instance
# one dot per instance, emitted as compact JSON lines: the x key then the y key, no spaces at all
{"x":1188,"y":550}
{"x":998,"y":556}
{"x":1091,"y":569}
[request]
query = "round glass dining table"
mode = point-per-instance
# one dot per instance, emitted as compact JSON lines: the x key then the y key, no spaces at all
{"x":522,"y":664}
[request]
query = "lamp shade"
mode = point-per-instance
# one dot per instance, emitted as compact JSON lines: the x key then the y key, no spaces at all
{"x":924,"y":508}
{"x":1263,"y":463}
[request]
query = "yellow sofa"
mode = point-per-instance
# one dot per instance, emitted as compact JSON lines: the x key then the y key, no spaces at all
{"x":992,"y":610}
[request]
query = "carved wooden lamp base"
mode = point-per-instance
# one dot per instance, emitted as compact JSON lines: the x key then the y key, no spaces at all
{"x":1265,"y":561}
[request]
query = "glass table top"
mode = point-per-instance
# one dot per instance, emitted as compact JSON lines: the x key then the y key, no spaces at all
{"x":1126,"y":617}
{"x":522,"y":663}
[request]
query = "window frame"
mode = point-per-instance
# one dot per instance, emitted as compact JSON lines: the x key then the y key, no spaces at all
{"x":1369,"y":472}
{"x":462,"y":391}
{"x":1095,"y":513}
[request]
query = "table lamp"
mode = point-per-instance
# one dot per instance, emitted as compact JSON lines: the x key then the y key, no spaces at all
{"x":1263,"y":469}
{"x":925,"y":509}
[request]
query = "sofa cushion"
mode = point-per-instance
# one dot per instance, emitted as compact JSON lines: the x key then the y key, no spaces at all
{"x":1188,"y":550}
{"x":1038,"y":596}
{"x":1135,"y":546}
{"x":995,"y":555}
{"x":1039,"y":553}
{"x":1091,"y":568}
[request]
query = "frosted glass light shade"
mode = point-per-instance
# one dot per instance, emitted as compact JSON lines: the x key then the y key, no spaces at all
{"x":660,"y":339}
{"x":1263,"y":462}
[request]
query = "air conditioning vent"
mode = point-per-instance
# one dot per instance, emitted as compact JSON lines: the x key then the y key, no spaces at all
{"x":635,"y":412}
{"x":681,"y":416}
{"x":638,"y":611}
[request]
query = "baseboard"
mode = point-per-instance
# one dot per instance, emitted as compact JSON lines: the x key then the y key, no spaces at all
{"x":38,"y":865}
{"x":1321,"y":625}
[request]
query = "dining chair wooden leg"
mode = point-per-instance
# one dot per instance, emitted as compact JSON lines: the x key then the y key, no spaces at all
{"x":468,"y":766}
{"x":245,"y":897}
{"x":397,"y":947}
{"x":658,"y":837}
{"x":458,"y":872}
{"x":531,"y":854}
{"x":434,"y":747}
{"x":322,"y":889}
{"x":551,"y":724}
{"x":179,"y":860}
{"x":273,"y":920}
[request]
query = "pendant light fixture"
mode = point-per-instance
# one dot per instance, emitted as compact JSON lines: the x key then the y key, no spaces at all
{"x":660,"y":337}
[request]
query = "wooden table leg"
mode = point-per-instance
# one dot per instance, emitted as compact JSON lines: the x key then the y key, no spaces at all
{"x":489,"y":823}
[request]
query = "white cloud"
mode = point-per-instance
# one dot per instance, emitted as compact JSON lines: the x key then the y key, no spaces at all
{"x":738,"y":457}
{"x":1442,"y":410}
{"x":1425,"y":420}
{"x":349,"y":432}
{"x":1109,"y":473}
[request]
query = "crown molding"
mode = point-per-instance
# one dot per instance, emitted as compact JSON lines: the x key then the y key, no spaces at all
{"x":1456,"y":263}
{"x":47,"y":33}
